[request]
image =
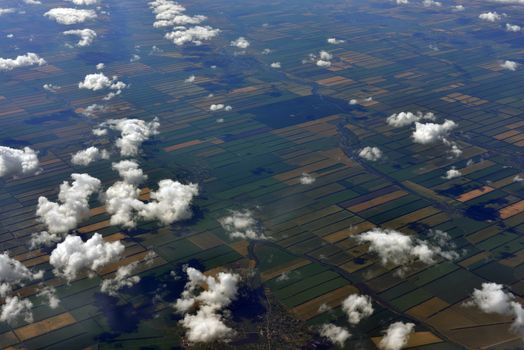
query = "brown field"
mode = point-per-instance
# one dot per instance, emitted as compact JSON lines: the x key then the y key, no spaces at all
{"x":474,"y":193}
{"x":44,"y":326}
{"x":267,"y":275}
{"x":332,"y":299}
{"x":512,"y":209}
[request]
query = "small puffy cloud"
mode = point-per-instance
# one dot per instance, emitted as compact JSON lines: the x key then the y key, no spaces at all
{"x":100,"y":66}
{"x":430,"y":3}
{"x":215,"y":293}
{"x":458,"y":8}
{"x":402,"y":2}
{"x":396,"y":248}
{"x":13,"y":273}
{"x":72,"y":206}
{"x":493,"y":299}
{"x":73,"y":256}
{"x":87,"y":36}
{"x":190,"y":79}
{"x":84,"y":2}
{"x":241,"y":43}
{"x":15,"y":309}
{"x":135,"y":58}
{"x":370,"y":153}
{"x":49,"y":293}
{"x":93,"y":110}
{"x":306,"y":179}
{"x":431,"y":132}
{"x":133,"y":133}
{"x":266,"y":51}
{"x":43,"y":238}
{"x":335,"y":41}
{"x":123,"y":279}
{"x":513,"y":27}
{"x":242,"y":224}
{"x":18,"y":162}
{"x":357,"y":307}
{"x":509,"y":65}
{"x":27,"y":60}
{"x":195,"y":35}
{"x":99,"y":81}
{"x":51,"y":87}
{"x":5,"y":11}
{"x":32,"y":2}
{"x":452,"y":173}
{"x":490,"y":16}
{"x":216,"y":107}
{"x":88,"y":156}
{"x":396,"y":336}
{"x":398,"y":120}
{"x":323,"y":64}
{"x":169,"y":13}
{"x":336,"y":335}
{"x":170,"y":203}
{"x":69,"y":16}
{"x":518,"y":178}
{"x":276,"y":65}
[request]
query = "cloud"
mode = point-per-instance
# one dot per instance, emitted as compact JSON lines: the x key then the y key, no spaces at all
{"x":357,"y":307}
{"x":306,"y":179}
{"x":16,"y":162}
{"x":335,"y":41}
{"x":133,"y":132}
{"x":401,"y":119}
{"x":196,"y":35}
{"x":493,"y":299}
{"x":13,"y":273}
{"x":92,"y":110}
{"x":99,"y":81}
{"x":32,"y":2}
{"x":513,"y":27}
{"x":241,"y":43}
{"x":72,"y":206}
{"x":216,"y":293}
{"x":396,"y":336}
{"x":431,"y":132}
{"x":458,"y":8}
{"x":190,"y":79}
{"x":402,"y":2}
{"x":15,"y":309}
{"x":169,"y":14}
{"x":123,"y":279}
{"x":429,"y":3}
{"x":242,"y":224}
{"x":170,"y":203}
{"x":5,"y":11}
{"x":29,"y":59}
{"x":336,"y":335}
{"x":452,"y":173}
{"x":84,"y":2}
{"x":43,"y":238}
{"x":322,"y":60}
{"x":100,"y":66}
{"x":509,"y":65}
{"x":73,"y":256}
{"x":87,"y":36}
{"x":396,"y":248}
{"x":88,"y":156}
{"x":69,"y":16}
{"x":220,"y":106}
{"x":50,"y":294}
{"x":370,"y":153}
{"x":490,"y":16}
{"x":276,"y":65}
{"x":51,"y":87}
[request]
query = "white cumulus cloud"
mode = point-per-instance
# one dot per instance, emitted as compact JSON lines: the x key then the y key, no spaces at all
{"x":509,"y":65}
{"x":431,"y":132}
{"x":370,"y":153}
{"x":207,"y":296}
{"x":88,"y":156}
{"x":357,"y":307}
{"x":396,"y":336}
{"x":69,"y":16}
{"x":133,"y":133}
{"x":15,"y":309}
{"x":87,"y":36}
{"x":242,"y":224}
{"x":18,"y":162}
{"x":72,"y":206}
{"x":401,"y":119}
{"x":29,"y":59}
{"x":240,"y":42}
{"x":336,"y":335}
{"x":490,"y":16}
{"x":73,"y":256}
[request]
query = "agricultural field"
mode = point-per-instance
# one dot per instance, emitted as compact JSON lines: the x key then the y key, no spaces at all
{"x":281,"y":156}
